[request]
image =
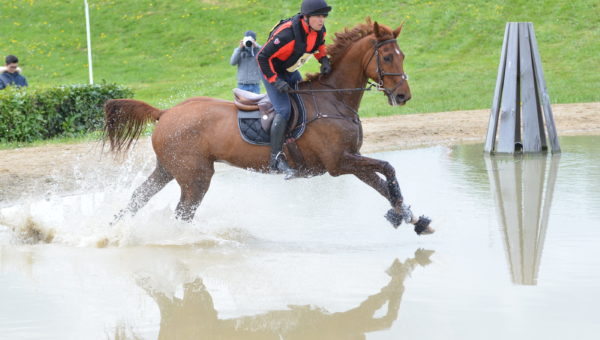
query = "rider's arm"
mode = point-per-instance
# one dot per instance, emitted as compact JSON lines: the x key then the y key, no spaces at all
{"x":322,"y":51}
{"x":280,"y":46}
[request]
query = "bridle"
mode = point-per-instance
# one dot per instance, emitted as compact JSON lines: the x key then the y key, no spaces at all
{"x":381,"y":74}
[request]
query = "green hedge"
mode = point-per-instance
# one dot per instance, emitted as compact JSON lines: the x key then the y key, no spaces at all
{"x":28,"y":114}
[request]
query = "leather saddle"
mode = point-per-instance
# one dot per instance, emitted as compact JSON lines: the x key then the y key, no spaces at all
{"x":251,"y":102}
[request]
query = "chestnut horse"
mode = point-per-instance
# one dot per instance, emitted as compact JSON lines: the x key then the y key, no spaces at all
{"x":194,"y":134}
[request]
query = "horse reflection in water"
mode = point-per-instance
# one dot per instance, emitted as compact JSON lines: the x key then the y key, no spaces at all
{"x":194,"y":315}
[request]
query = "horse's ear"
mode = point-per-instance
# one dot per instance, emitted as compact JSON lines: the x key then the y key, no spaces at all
{"x":398,"y":30}
{"x":376,"y":29}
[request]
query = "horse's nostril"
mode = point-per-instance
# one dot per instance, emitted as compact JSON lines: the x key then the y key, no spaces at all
{"x":400,"y":97}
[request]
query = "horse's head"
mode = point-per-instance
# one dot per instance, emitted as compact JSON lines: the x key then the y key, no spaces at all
{"x":385,"y":64}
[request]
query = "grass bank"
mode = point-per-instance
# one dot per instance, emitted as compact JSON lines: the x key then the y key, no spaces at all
{"x":171,"y":50}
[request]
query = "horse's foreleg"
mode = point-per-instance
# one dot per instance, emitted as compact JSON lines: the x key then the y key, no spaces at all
{"x":193,"y":189}
{"x":367,"y":169}
{"x":376,"y":182}
{"x":152,"y":185}
{"x":391,"y":191}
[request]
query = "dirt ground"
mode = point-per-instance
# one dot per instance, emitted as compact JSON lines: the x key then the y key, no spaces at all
{"x":37,"y":170}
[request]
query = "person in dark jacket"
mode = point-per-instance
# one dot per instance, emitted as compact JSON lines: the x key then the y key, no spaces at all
{"x":244,"y":56}
{"x":10,"y":75}
{"x":289,"y":46}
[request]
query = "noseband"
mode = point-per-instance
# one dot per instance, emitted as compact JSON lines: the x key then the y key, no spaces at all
{"x":381,"y":73}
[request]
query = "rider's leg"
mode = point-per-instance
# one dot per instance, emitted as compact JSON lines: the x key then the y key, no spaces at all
{"x":277,"y":161}
{"x":283,"y":108}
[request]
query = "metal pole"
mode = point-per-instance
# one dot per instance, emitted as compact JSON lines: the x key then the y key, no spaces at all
{"x":490,"y":139}
{"x":89,"y":41}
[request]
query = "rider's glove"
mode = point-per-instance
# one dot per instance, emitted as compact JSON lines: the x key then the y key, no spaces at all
{"x":282,"y":86}
{"x":325,"y":66}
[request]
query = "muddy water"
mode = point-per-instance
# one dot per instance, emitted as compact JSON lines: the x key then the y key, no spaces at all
{"x":515,"y":255}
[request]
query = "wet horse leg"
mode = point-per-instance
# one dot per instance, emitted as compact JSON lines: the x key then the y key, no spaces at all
{"x":152,"y":185}
{"x":367,"y":169}
{"x":194,"y":186}
{"x":381,"y":185}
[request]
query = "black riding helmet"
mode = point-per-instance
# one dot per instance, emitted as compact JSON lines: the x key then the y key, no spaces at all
{"x":315,"y":7}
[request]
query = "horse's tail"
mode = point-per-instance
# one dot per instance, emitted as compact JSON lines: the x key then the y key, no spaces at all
{"x":125,"y":120}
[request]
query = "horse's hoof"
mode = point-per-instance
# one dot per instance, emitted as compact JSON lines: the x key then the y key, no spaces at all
{"x":394,"y":218}
{"x":422,"y":226}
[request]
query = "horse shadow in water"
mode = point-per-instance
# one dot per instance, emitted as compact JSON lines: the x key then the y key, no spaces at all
{"x":194,"y":317}
{"x":191,"y":136}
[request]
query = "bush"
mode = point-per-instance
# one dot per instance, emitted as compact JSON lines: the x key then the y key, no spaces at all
{"x":33,"y":114}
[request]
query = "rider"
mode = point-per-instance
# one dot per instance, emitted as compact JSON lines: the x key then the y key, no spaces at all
{"x":291,"y":43}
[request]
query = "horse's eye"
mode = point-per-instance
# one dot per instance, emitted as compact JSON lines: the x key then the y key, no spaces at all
{"x":388,"y":58}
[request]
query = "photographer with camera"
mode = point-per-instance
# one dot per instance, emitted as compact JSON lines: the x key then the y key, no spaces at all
{"x":244,"y":56}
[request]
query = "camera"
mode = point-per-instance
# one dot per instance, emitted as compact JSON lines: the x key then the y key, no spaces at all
{"x":248,"y":41}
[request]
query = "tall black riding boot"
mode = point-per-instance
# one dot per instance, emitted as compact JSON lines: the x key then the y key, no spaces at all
{"x":277,"y":162}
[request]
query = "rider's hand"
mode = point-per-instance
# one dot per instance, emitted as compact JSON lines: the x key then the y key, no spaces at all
{"x":282,"y":86}
{"x":325,"y":66}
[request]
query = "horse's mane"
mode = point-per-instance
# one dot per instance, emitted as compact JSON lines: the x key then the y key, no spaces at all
{"x":345,"y":39}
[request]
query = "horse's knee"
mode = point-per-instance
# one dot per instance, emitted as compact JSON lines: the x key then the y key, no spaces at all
{"x":388,"y":170}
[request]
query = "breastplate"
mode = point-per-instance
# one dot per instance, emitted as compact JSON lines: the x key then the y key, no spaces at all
{"x":301,"y":61}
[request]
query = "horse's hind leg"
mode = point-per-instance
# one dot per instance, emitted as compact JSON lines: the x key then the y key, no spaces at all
{"x":152,"y":185}
{"x":194,"y":184}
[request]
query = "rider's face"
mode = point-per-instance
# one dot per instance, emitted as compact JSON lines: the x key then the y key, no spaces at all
{"x":316,"y":22}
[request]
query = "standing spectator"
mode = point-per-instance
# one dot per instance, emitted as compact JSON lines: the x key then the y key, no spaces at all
{"x":10,"y":74}
{"x":244,"y":56}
